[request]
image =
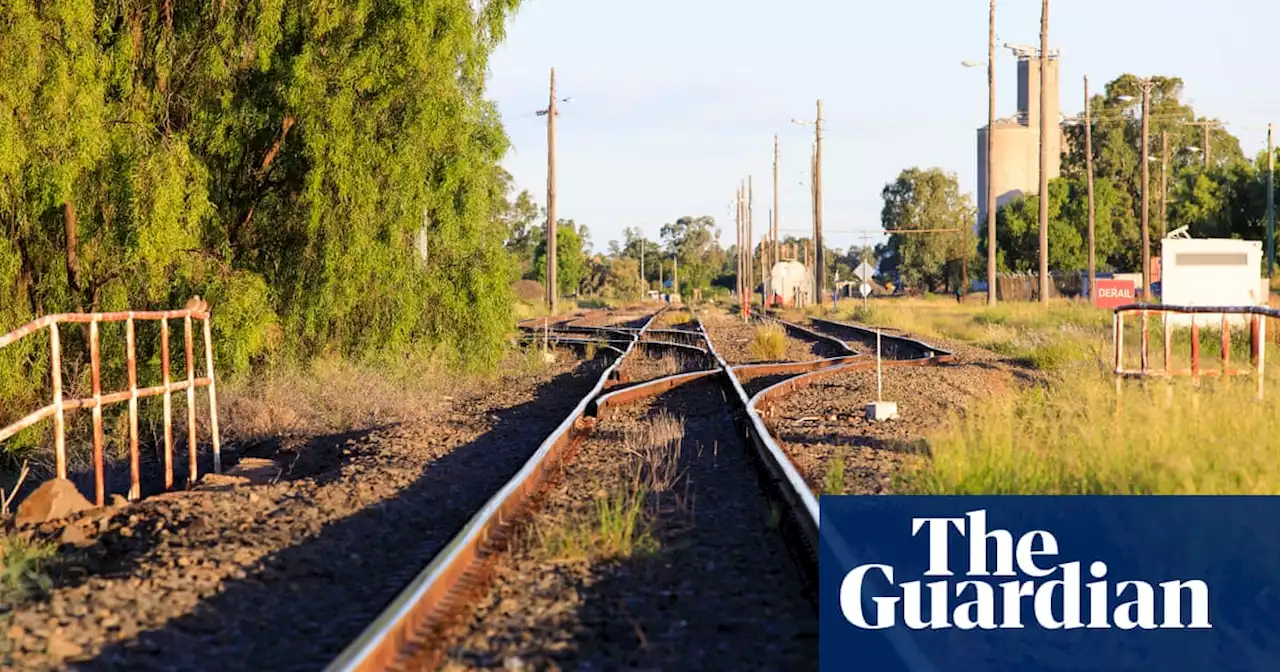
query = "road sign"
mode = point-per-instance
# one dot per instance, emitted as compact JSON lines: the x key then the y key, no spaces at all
{"x":1113,"y":293}
{"x":864,"y":271}
{"x":864,"y":289}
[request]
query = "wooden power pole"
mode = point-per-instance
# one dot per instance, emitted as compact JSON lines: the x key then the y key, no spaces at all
{"x":551,"y":197}
{"x":991,"y":187}
{"x":817,"y":208}
{"x":1146,"y":192}
{"x":1044,"y":153}
{"x":1088,"y":160}
{"x":751,"y":280}
{"x":1271,"y":202}
{"x":773,"y":231}
{"x":1164,"y":186}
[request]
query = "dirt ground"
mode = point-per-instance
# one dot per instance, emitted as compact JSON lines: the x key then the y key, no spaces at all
{"x":281,"y":576}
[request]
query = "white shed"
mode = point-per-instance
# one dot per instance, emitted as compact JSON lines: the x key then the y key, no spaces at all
{"x":1211,"y":272}
{"x":791,"y":282}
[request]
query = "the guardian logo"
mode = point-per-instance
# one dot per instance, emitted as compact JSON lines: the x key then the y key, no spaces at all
{"x":1039,"y":590}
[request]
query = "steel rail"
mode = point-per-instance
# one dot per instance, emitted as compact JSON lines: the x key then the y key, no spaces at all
{"x":782,"y":475}
{"x":790,"y":479}
{"x":649,"y":388}
{"x":927,"y":349}
{"x":387,"y":639}
{"x":746,"y":372}
{"x":805,"y":332}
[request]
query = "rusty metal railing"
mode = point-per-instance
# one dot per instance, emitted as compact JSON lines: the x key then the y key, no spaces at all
{"x":59,"y":405}
{"x":1255,"y":316}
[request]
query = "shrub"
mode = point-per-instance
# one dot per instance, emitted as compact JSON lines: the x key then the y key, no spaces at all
{"x":770,"y":343}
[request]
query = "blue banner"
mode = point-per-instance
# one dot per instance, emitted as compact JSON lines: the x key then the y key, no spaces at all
{"x":1023,"y":584}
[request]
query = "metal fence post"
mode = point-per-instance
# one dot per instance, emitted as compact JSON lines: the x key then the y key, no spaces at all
{"x":59,"y":419}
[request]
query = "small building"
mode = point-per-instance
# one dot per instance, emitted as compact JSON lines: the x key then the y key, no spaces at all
{"x":791,"y":283}
{"x":1211,"y":272}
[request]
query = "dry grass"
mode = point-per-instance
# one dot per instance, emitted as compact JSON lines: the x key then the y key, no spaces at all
{"x":668,"y":364}
{"x":654,"y":452}
{"x":336,"y":395}
{"x":1078,"y":437}
{"x":675,"y":318}
{"x":1063,"y":336}
{"x":769,"y":343}
{"x":621,"y":519}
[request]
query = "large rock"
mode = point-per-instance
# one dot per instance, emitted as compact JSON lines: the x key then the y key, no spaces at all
{"x":54,"y":499}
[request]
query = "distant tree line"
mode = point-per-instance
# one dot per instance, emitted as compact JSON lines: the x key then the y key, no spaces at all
{"x":1226,"y":198}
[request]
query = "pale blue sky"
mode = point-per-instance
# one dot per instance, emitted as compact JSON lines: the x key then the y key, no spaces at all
{"x":675,"y":101}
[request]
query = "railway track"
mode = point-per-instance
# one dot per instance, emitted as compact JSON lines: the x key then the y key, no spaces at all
{"x":706,"y":394}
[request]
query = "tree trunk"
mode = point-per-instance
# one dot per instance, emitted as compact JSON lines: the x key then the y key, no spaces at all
{"x":73,"y":244}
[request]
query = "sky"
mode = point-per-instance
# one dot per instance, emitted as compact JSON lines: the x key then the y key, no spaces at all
{"x":674,"y":102}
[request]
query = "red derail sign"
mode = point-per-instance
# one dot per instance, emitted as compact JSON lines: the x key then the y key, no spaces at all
{"x":1113,"y":293}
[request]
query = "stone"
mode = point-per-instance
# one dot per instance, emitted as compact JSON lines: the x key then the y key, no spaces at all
{"x":119,"y":501}
{"x":76,"y":536}
{"x":54,"y":499}
{"x":60,"y":647}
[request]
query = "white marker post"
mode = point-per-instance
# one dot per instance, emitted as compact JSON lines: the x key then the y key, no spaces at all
{"x":880,"y":410}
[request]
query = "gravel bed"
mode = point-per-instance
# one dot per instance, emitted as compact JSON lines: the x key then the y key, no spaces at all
{"x":283,"y":576}
{"x":648,"y":363}
{"x":826,"y":422}
{"x":962,"y":351}
{"x":713,"y":588}
{"x":733,"y":337}
{"x":628,"y":317}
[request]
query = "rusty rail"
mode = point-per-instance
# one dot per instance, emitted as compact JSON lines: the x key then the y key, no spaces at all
{"x":1254,"y":316}
{"x":424,"y":604}
{"x":59,"y":404}
{"x":804,"y":502}
{"x":419,"y":607}
{"x":894,"y":343}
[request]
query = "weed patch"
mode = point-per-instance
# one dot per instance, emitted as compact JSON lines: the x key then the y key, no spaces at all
{"x":769,"y":343}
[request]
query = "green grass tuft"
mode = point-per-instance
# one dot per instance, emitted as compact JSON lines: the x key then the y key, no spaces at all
{"x":769,"y":344}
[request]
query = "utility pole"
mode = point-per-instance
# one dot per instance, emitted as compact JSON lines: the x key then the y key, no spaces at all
{"x":551,"y":197}
{"x":675,"y":274}
{"x":1088,"y":160}
{"x":1205,"y":125}
{"x":737,"y":246}
{"x":1271,"y":202}
{"x":644,"y":286}
{"x":1044,"y":154}
{"x":1146,"y":189}
{"x":817,"y":207}
{"x":1207,"y":151}
{"x":773,"y":233}
{"x":1164,"y":186}
{"x":742,"y":283}
{"x":964,"y":258}
{"x":813,"y":214}
{"x":751,"y":280}
{"x":766,"y":267}
{"x":764,"y":303}
{"x":991,"y":187}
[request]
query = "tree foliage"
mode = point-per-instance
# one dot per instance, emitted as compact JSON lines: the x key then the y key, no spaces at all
{"x":571,"y":262}
{"x":694,"y":242}
{"x":323,"y":170}
{"x":925,"y":199}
